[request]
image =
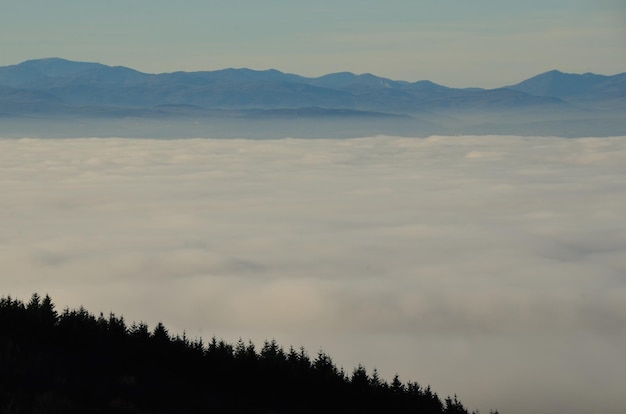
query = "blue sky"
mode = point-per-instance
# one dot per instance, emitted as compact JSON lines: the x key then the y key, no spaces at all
{"x":457,"y":43}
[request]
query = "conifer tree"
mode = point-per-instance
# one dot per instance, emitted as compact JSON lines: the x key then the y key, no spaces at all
{"x":77,"y":362}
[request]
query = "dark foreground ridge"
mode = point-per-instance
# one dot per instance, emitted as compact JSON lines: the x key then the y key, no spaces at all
{"x":75,"y":362}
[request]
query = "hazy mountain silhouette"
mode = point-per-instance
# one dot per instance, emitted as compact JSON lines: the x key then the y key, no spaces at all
{"x":53,"y":87}
{"x":569,"y":86}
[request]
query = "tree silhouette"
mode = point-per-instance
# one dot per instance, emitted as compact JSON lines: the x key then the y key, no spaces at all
{"x":75,"y":362}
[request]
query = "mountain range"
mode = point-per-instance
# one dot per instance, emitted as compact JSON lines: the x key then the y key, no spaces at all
{"x":116,"y":100}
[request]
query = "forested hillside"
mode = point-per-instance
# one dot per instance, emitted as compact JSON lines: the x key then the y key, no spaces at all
{"x":75,"y":362}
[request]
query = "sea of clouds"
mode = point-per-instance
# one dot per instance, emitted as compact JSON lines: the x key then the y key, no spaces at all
{"x":491,"y":267}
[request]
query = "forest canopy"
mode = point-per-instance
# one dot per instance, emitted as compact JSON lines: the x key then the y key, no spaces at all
{"x":73,"y":361}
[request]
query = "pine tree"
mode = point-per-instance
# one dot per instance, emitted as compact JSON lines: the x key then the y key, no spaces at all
{"x":397,"y":387}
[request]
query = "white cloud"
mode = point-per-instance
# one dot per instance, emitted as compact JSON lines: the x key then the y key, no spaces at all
{"x":491,"y":267}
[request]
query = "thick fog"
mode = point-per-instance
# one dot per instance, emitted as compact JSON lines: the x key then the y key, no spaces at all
{"x":490,"y":267}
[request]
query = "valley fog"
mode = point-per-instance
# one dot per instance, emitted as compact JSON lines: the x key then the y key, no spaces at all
{"x":490,"y":267}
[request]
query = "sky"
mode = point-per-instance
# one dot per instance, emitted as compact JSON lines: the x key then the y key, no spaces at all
{"x":488,"y":267}
{"x":482,"y":43}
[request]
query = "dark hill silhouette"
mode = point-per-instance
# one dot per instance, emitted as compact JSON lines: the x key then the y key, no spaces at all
{"x":75,"y":362}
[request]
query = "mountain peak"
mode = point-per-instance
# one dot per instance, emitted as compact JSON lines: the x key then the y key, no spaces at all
{"x":568,"y":85}
{"x":55,"y":66}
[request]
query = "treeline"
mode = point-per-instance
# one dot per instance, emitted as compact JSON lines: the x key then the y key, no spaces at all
{"x":75,"y":362}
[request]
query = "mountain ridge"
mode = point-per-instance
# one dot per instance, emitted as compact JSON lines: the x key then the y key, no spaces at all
{"x":63,"y":88}
{"x":273,"y":89}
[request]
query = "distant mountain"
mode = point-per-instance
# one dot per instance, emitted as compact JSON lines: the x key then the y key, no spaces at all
{"x":56,"y":67}
{"x":574,"y":87}
{"x":81,"y":83}
{"x":59,"y":87}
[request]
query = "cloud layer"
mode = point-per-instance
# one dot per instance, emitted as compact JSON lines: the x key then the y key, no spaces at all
{"x":490,"y":267}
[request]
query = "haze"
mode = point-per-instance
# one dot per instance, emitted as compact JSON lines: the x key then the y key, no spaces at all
{"x":491,"y":267}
